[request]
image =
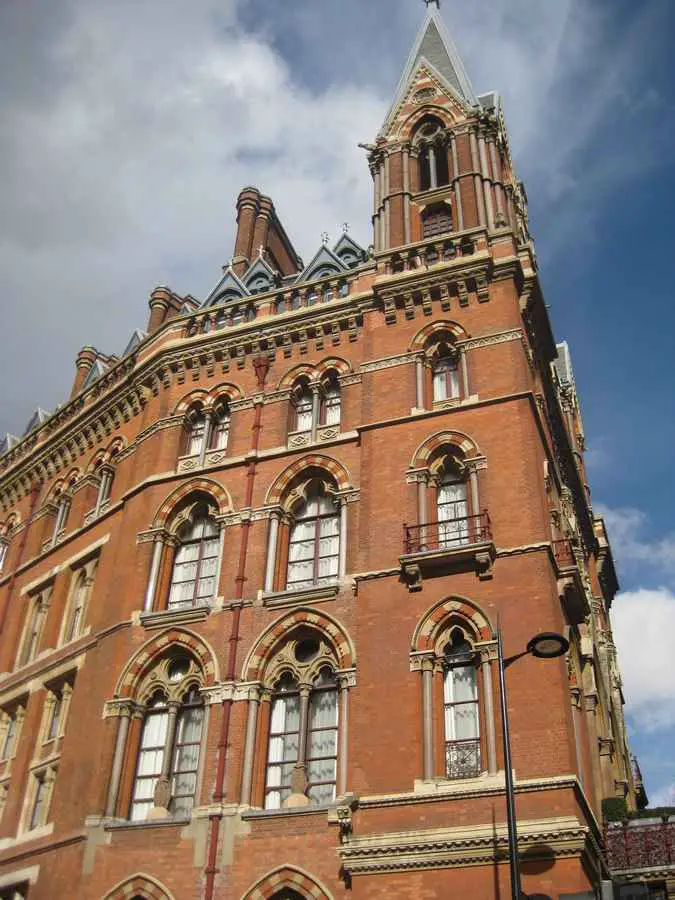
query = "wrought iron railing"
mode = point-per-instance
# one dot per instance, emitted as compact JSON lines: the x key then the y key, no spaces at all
{"x":633,"y":845}
{"x":462,"y":759}
{"x":563,"y":553}
{"x":447,"y":535}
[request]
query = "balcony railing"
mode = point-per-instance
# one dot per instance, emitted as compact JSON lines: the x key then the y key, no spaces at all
{"x":462,"y":759}
{"x":450,"y":534}
{"x":563,"y":554}
{"x":640,"y":844}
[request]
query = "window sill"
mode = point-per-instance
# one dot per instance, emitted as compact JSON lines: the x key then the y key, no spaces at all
{"x":448,"y":786}
{"x":286,"y":598}
{"x":284,"y":813}
{"x":126,"y":824}
{"x":163,"y":617}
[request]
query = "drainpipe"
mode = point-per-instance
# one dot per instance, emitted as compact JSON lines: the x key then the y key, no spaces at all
{"x":261,"y":366}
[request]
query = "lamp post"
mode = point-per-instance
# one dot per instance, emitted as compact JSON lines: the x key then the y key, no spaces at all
{"x":547,"y":645}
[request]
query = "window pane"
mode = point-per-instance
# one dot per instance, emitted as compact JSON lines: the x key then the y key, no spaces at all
{"x":464,"y":681}
{"x":323,"y":709}
{"x":466,"y":721}
{"x":322,"y":794}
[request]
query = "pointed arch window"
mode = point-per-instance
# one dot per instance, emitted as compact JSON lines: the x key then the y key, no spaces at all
{"x":37,"y":613}
{"x":314,"y":544}
{"x":330,"y":400}
{"x":76,"y":612}
{"x":167,"y":764}
{"x":196,"y":432}
{"x":302,"y":748}
{"x":303,"y":405}
{"x":220,"y":426}
{"x":461,"y":709}
{"x":195,"y":566}
{"x":433,"y":156}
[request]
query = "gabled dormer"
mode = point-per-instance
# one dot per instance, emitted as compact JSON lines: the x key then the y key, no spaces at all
{"x":229,"y":288}
{"x":260,"y":277}
{"x":38,"y":418}
{"x":136,"y":338}
{"x":323,"y":264}
{"x":349,"y":252}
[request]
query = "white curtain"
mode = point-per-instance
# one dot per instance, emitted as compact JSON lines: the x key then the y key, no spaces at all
{"x":283,"y":748}
{"x":322,"y":745}
{"x":453,"y":527}
{"x":445,"y":379}
{"x":186,"y":759}
{"x":196,"y":440}
{"x":195,"y":564}
{"x":150,"y":760}
{"x":314,"y":546}
{"x":461,"y":704}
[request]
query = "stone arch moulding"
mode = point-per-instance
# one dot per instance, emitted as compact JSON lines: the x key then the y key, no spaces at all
{"x":441,"y":327}
{"x":226,"y":389}
{"x":428,"y":627}
{"x":304,"y":369}
{"x":144,"y":885}
{"x":340,"y":365}
{"x":447,"y":116}
{"x":260,"y":653}
{"x":199,"y":395}
{"x":428,"y":447}
{"x":287,"y":877}
{"x":144,"y":658}
{"x":194,"y":485}
{"x":314,"y":461}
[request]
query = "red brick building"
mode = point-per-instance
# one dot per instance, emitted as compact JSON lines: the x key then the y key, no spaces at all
{"x":252,"y":572}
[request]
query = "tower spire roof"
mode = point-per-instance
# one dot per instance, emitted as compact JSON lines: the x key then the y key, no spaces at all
{"x":435,"y":47}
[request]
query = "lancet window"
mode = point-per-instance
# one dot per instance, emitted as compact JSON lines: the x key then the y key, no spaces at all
{"x":429,"y":138}
{"x":195,"y":564}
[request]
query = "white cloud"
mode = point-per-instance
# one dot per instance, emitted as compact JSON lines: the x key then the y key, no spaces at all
{"x":626,"y":527}
{"x":663,"y":796}
{"x":643,"y":623}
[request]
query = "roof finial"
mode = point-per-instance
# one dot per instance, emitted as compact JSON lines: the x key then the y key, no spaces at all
{"x":437,"y":2}
{"x":261,"y":250}
{"x":345,"y":227}
{"x":325,"y":237}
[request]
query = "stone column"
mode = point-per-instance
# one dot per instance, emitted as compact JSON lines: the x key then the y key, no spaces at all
{"x":477,"y":179}
{"x":465,"y":373}
{"x":457,"y":184}
{"x":405,"y":162}
{"x":298,"y":797}
{"x":433,"y":169}
{"x":157,"y":548}
{"x":473,"y":485}
{"x":342,"y":560}
{"x":118,"y":759}
{"x":419,"y":382}
{"x":249,"y":746}
{"x":343,"y":724}
{"x":428,"y":718}
{"x":315,"y":410}
{"x":103,"y":489}
{"x":487,"y":183}
{"x":422,"y":513}
{"x":271,"y":562}
{"x":489,"y":715}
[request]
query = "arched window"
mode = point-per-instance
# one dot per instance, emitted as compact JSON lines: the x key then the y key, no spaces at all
{"x":301,"y":398}
{"x":303,"y":731}
{"x":195,"y":567}
{"x":62,"y":511}
{"x":314,"y":543}
{"x":170,"y":742}
{"x":77,"y":605}
{"x":220,"y":426}
{"x":330,"y":400}
{"x":312,"y":297}
{"x":429,"y":137}
{"x":195,"y":432}
{"x":445,"y":373}
{"x":460,"y":708}
{"x":436,"y":220}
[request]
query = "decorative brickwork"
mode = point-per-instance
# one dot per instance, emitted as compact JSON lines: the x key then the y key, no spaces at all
{"x":140,"y":886}
{"x":290,"y":878}
{"x":137,"y":668}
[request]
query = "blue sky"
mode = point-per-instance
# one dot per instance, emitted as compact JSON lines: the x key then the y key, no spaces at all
{"x":128,"y":129}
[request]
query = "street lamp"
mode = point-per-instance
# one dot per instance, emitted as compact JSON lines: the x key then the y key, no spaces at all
{"x":547,"y":645}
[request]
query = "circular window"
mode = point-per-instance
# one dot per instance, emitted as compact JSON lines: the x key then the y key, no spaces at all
{"x":306,"y":650}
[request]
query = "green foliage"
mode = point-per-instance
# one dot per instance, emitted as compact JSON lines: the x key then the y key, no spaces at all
{"x":614,"y":809}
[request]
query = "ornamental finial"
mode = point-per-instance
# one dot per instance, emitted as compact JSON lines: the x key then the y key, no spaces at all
{"x":437,"y":2}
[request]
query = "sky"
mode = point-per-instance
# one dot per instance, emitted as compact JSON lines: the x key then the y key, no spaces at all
{"x":128,"y":129}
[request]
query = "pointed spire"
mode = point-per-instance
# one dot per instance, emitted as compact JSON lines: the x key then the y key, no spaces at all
{"x":435,"y":47}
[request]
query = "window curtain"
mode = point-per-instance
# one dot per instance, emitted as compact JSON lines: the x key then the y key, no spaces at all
{"x":453,"y":527}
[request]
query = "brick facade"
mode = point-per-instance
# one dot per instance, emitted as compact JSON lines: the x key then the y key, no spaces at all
{"x":523,"y":553}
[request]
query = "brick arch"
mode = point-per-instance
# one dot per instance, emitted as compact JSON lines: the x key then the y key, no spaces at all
{"x":341,"y":366}
{"x":144,"y":658}
{"x":260,"y":653}
{"x":293,"y":374}
{"x":313,"y":461}
{"x":226,"y":389}
{"x":423,"y":454}
{"x":194,"y":485}
{"x":73,"y":475}
{"x":288,"y":877}
{"x":433,"y":328}
{"x":448,"y":117}
{"x":199,"y":395}
{"x":427,"y":629}
{"x":139,"y":884}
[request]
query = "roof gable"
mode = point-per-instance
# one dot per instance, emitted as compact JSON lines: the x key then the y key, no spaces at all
{"x":99,"y":368}
{"x":39,"y":416}
{"x":346,"y":245}
{"x":228,"y":284}
{"x":136,"y":338}
{"x":323,"y":258}
{"x":259,"y":270}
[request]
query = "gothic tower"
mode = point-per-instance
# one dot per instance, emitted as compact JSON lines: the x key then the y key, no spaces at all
{"x":254,"y":572}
